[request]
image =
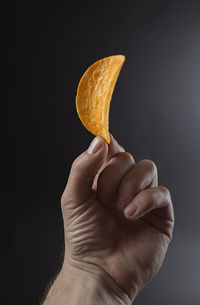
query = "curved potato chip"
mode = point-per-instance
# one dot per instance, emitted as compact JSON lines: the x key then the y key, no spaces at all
{"x":94,"y":94}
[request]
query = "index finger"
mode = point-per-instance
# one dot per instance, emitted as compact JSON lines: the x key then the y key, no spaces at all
{"x":113,"y":148}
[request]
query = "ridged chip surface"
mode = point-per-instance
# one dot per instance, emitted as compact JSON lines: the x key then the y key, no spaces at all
{"x":94,"y":94}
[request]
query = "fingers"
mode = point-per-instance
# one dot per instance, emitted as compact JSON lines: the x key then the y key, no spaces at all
{"x":156,"y":199}
{"x":113,"y":148}
{"x":83,"y":171}
{"x":141,"y":176}
{"x":110,"y":178}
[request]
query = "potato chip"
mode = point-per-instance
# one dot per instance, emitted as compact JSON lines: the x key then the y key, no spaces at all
{"x":94,"y":94}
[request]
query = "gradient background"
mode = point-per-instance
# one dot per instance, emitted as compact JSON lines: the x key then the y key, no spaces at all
{"x":155,"y":114}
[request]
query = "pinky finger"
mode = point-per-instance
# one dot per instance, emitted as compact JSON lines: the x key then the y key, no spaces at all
{"x":156,"y":200}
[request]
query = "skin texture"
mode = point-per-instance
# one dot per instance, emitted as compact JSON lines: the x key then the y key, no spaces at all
{"x":101,"y":235}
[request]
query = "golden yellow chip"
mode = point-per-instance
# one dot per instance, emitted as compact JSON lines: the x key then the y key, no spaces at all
{"x":94,"y":94}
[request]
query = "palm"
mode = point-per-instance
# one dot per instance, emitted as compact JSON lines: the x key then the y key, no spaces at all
{"x":128,"y":251}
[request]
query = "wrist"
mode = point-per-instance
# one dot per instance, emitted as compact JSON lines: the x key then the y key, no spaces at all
{"x":99,"y":285}
{"x":79,"y":283}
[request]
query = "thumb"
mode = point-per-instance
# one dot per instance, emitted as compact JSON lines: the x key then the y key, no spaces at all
{"x":83,"y":171}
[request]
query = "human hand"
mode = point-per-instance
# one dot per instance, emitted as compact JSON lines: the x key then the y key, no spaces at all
{"x":104,"y":187}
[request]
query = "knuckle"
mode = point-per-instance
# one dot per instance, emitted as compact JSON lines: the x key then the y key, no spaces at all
{"x":121,"y":148}
{"x":126,"y":156}
{"x":150,"y":164}
{"x":76,"y":163}
{"x":165,"y":191}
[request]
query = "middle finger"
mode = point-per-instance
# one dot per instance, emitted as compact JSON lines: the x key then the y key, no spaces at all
{"x":142,"y":175}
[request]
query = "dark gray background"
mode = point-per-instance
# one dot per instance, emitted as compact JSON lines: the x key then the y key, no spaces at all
{"x":155,"y":114}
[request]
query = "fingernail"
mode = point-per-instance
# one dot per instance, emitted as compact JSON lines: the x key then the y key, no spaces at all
{"x":130,"y":210}
{"x":120,"y":203}
{"x":95,"y":145}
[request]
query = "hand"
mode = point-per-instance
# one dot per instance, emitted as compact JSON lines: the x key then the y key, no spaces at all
{"x":116,"y":218}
